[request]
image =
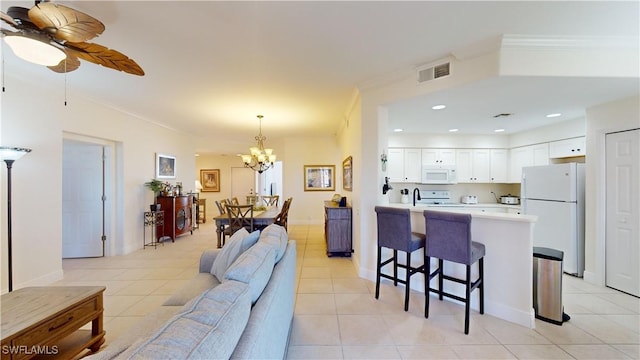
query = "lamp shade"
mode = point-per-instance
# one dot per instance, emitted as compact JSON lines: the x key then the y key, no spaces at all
{"x":12,"y":153}
{"x":35,"y":51}
{"x":198,"y":185}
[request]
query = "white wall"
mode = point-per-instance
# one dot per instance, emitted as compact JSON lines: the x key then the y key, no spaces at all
{"x":444,"y":141}
{"x":307,"y":207}
{"x":562,"y":130}
{"x":34,"y":116}
{"x":615,"y":116}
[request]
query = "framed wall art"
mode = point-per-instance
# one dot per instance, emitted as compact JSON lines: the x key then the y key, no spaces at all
{"x":210,"y":179}
{"x":319,"y":178}
{"x":347,"y":174}
{"x":165,"y":166}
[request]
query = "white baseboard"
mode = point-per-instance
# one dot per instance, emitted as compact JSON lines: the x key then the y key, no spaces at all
{"x":593,"y":278}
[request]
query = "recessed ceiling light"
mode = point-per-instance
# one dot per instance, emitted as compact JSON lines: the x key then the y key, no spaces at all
{"x":398,"y":130}
{"x":438,"y":107}
{"x":498,"y":130}
{"x":554,"y":115}
{"x":453,"y":130}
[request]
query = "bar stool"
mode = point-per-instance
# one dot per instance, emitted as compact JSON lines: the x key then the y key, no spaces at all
{"x":449,"y":238}
{"x":394,"y":232}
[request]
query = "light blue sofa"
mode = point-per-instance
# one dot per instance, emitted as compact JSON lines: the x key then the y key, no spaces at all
{"x":247,"y":315}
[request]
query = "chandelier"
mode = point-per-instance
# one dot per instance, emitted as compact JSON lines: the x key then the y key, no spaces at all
{"x":259,"y":159}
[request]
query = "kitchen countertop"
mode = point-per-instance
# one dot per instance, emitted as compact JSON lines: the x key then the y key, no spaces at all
{"x":474,"y":209}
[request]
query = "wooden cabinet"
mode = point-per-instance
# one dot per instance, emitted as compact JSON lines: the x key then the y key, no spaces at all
{"x":177,"y":216}
{"x":337,"y":229}
{"x":438,"y":156}
{"x":403,"y":165}
{"x":567,"y":148}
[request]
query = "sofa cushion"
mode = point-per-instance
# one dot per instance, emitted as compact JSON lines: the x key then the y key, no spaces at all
{"x":253,"y":267}
{"x":208,"y":327}
{"x":194,"y":287}
{"x":277,"y":237}
{"x":238,"y":243}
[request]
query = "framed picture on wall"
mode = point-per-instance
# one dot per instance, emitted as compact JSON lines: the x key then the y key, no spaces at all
{"x":210,"y":179}
{"x":165,"y":166}
{"x":347,"y":174}
{"x":319,"y":178}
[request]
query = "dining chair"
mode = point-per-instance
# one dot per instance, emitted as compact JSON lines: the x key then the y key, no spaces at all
{"x":394,"y":232}
{"x":234,"y":201}
{"x":221,"y":208}
{"x":270,"y":200}
{"x":226,"y":231}
{"x":240,"y":216}
{"x":283,"y":217}
{"x":449,"y":238}
{"x":224,"y":203}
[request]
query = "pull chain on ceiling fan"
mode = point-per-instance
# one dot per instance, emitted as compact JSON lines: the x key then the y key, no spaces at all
{"x":56,"y":36}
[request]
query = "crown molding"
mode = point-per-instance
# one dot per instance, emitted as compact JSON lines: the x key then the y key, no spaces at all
{"x":510,"y":41}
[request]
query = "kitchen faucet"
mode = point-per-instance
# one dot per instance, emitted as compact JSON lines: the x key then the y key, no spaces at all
{"x":414,"y":196}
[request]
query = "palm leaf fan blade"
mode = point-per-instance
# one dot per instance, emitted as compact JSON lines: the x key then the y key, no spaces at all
{"x":64,"y":23}
{"x":20,"y":17}
{"x":67,"y":65}
{"x":8,"y":19}
{"x":104,"y":56}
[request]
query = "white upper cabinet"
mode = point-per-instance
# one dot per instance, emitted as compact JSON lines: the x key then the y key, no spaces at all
{"x":531,"y":155}
{"x":438,"y":156}
{"x":473,"y":165}
{"x":567,"y":148}
{"x":403,"y":165}
{"x":499,"y":165}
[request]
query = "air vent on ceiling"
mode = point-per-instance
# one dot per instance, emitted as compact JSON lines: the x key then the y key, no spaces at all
{"x":433,"y":72}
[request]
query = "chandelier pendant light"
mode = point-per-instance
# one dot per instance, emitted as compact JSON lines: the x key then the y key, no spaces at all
{"x":259,"y":159}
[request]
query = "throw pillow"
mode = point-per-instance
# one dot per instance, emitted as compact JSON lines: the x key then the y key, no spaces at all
{"x":277,"y":237}
{"x":254,"y":267}
{"x":238,"y":243}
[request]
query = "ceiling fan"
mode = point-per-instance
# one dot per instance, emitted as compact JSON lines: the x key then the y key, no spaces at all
{"x":63,"y":30}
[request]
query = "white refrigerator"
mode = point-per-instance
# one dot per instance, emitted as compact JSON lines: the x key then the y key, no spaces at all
{"x":555,"y":194}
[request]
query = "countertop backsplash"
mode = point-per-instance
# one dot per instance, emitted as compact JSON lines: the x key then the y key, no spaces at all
{"x":482,"y":191}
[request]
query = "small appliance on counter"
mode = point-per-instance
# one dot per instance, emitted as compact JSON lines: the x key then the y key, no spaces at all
{"x":469,"y":199}
{"x":405,"y":196}
{"x":509,"y":199}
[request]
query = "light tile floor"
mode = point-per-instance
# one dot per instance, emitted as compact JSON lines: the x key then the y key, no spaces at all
{"x":337,"y":317}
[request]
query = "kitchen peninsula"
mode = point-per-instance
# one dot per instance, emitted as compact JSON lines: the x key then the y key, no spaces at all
{"x":508,"y":265}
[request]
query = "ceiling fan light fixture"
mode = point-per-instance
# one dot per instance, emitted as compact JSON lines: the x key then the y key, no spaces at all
{"x":35,"y":51}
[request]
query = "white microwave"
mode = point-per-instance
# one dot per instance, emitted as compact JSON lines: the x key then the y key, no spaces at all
{"x":439,"y":174}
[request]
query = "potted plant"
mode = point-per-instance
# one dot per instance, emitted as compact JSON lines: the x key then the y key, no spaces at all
{"x":156,"y":186}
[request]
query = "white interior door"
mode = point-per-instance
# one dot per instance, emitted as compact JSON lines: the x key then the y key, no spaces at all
{"x":623,"y":213}
{"x":82,"y":207}
{"x":243,"y":182}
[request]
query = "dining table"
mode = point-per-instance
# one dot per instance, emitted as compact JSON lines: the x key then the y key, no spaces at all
{"x":261,"y":218}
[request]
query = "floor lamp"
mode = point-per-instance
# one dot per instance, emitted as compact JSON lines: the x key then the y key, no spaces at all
{"x":9,"y":155}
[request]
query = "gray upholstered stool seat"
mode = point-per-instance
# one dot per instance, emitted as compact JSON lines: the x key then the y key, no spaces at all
{"x":448,"y":237}
{"x":394,"y":232}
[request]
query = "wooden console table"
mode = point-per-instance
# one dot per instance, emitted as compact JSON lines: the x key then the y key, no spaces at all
{"x":46,"y":322}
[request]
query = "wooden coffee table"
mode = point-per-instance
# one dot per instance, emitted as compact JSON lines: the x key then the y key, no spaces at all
{"x":46,"y":321}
